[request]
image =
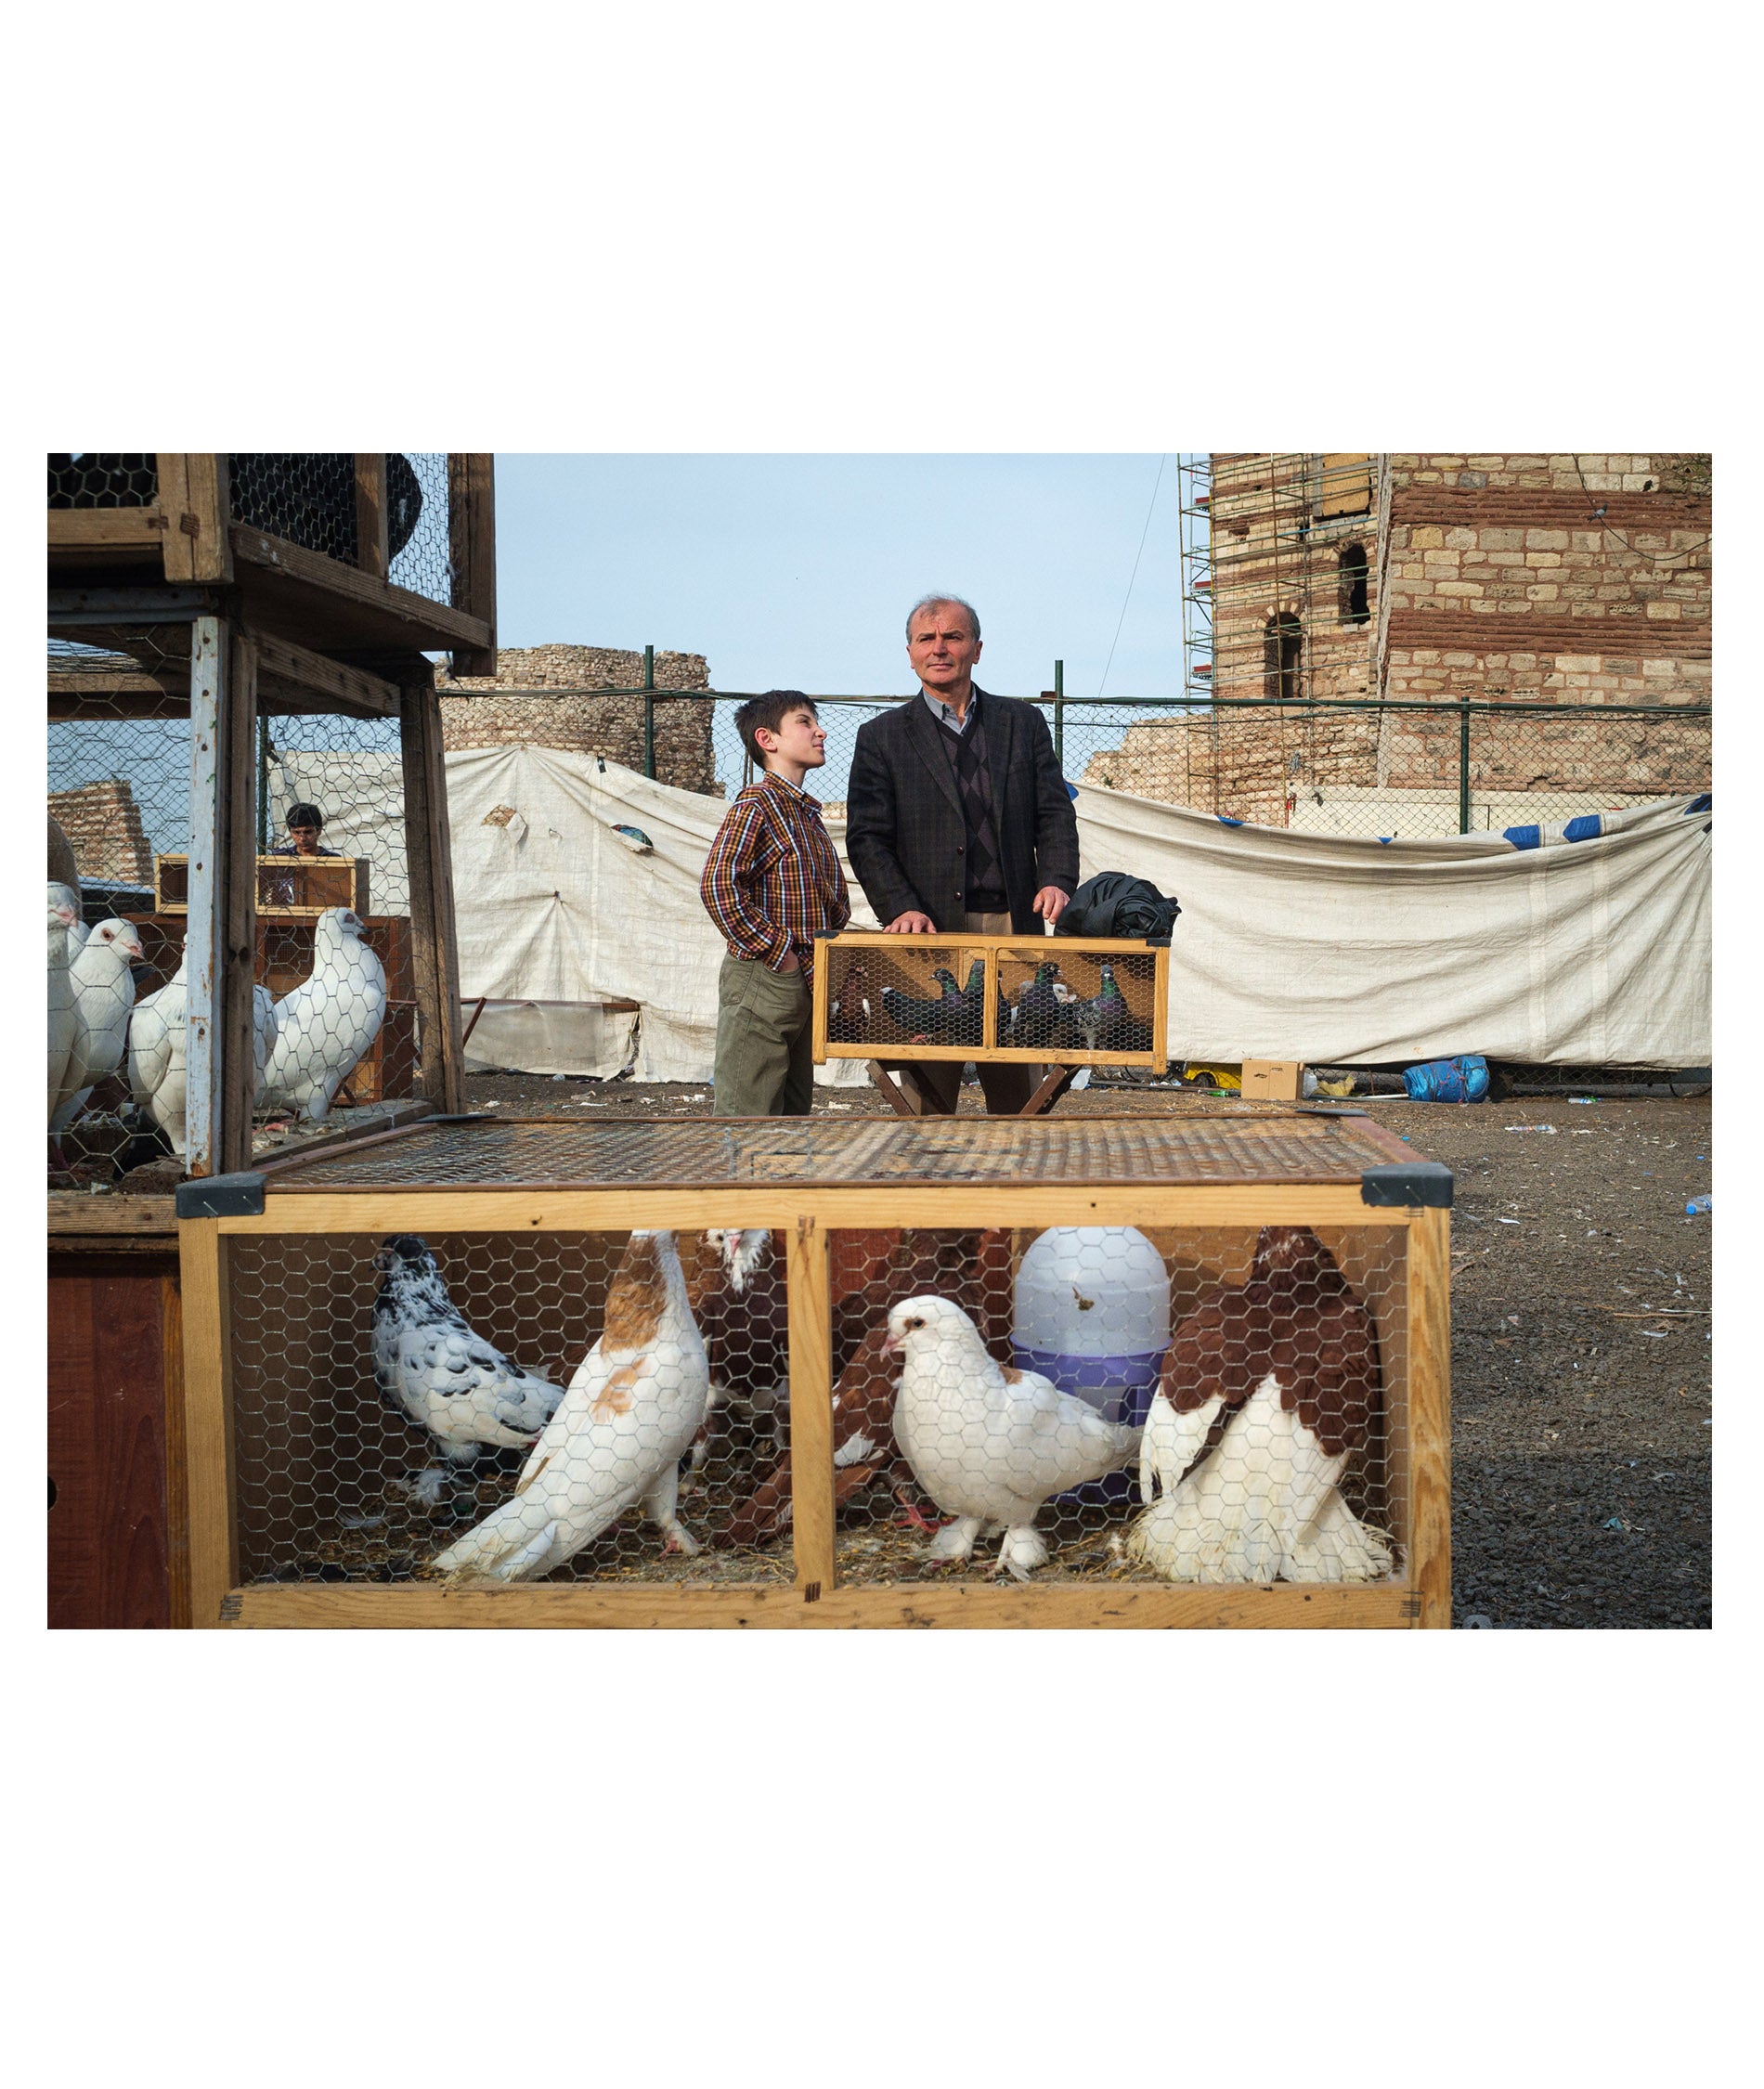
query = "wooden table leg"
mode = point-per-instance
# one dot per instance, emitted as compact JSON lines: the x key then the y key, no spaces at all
{"x":1059,"y":1080}
{"x":904,"y":1100}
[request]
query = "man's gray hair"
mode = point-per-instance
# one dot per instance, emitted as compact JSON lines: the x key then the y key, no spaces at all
{"x":956,"y":601}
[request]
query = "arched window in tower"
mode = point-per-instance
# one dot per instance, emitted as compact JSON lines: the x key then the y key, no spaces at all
{"x":1351,"y":585}
{"x":1282,"y":653}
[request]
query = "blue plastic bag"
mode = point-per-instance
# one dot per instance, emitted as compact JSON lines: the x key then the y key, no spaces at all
{"x":1461,"y":1080}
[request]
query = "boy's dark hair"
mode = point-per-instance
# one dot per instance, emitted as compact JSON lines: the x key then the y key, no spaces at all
{"x":769,"y":712}
{"x":304,"y":816}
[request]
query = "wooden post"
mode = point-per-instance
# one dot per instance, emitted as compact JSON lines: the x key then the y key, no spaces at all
{"x":195,"y":499}
{"x":810,"y":1310}
{"x":429,"y":855}
{"x":371,"y":539}
{"x":471,"y":542}
{"x":236,"y":907}
{"x":1429,"y":1363}
{"x":206,"y":923}
{"x":208,"y":1418}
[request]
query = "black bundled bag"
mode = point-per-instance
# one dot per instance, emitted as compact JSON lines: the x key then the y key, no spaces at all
{"x":1112,"y":904}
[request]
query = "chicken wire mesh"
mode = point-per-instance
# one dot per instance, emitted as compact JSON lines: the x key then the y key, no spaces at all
{"x":580,"y":1407}
{"x":1061,"y":1404}
{"x":336,"y":1011}
{"x":103,"y":479}
{"x":308,"y":498}
{"x":1102,"y":1403}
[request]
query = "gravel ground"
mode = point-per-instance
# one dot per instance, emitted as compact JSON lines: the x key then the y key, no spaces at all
{"x":1580,"y":1353}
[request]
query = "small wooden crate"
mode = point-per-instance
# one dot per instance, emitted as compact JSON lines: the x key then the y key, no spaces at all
{"x":295,"y":887}
{"x":852,"y":1021}
{"x":295,"y":1460}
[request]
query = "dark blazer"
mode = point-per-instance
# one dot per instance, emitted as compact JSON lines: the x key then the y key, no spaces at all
{"x":904,"y":826}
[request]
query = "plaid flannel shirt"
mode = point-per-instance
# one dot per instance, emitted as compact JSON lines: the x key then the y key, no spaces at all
{"x":772,"y":877}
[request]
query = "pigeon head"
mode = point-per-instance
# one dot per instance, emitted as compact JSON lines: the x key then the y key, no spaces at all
{"x":64,"y":905}
{"x":740,"y":1248}
{"x":946,"y":980}
{"x":917,"y":1325}
{"x":405,"y":1254}
{"x":119,"y":936}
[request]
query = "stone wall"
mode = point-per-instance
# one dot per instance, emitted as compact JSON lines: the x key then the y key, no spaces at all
{"x":1501,"y":582}
{"x":103,"y":826}
{"x":544,"y":697}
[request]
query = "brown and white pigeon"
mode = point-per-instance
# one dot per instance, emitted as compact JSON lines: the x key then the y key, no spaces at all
{"x":617,"y":1438}
{"x":1294,"y":1353}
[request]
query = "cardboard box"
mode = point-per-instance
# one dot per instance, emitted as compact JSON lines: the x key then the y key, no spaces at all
{"x":1273,"y":1080}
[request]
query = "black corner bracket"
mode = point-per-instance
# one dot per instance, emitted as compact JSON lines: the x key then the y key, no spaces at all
{"x":240,"y":1196}
{"x":1424,"y":1183}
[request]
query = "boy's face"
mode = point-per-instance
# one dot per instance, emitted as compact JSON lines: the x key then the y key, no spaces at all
{"x":799,"y":738}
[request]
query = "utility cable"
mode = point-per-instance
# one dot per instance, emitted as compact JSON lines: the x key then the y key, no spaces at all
{"x":1132,"y":578}
{"x":1598,"y":515}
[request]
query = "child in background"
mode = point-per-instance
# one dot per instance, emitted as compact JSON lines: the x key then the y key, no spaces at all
{"x":771,"y":882}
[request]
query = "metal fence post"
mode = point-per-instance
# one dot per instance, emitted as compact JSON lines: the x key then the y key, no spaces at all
{"x":649,"y":711}
{"x":1059,"y":715}
{"x":1463,"y":766}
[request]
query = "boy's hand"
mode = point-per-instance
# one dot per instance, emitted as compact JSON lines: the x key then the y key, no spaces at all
{"x":791,"y":962}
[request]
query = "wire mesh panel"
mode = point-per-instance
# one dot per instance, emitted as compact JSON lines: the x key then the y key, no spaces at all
{"x":499,"y":1409}
{"x":924,"y":992}
{"x":1072,"y":1403}
{"x":103,"y":479}
{"x":1072,"y":1003}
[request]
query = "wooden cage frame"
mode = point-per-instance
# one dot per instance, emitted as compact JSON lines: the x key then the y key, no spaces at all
{"x":991,"y":950}
{"x":1419,"y":1446}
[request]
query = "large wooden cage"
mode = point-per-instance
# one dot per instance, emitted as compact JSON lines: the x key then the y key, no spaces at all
{"x":304,"y":1483}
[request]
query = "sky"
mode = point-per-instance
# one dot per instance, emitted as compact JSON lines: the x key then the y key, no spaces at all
{"x":797,"y":571}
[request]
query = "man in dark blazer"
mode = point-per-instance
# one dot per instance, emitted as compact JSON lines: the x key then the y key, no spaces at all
{"x":958,"y":821}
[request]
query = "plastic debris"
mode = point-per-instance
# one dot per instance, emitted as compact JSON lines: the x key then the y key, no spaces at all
{"x":1550,"y":1128}
{"x":1613,"y":1523}
{"x":1478,"y":1623}
{"x":1697,"y":1208}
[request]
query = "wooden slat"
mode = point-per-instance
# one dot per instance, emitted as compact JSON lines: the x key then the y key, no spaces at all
{"x":429,"y":855}
{"x":372,"y":555}
{"x":1429,"y":1363}
{"x":179,"y":546}
{"x":206,"y":521}
{"x":100,"y":529}
{"x":818,"y":1015}
{"x":239,"y":908}
{"x":1160,"y":1012}
{"x":887,"y":1205}
{"x":177,"y":1504}
{"x":367,"y":695}
{"x":1107,"y":1605}
{"x":208,"y":1418}
{"x":810,"y":1325}
{"x":431,"y":624}
{"x":472,"y":543}
{"x":77,"y":1212}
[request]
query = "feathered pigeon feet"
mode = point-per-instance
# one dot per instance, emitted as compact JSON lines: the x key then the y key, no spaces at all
{"x":1023,"y":1550}
{"x":953,"y":1543}
{"x":427,"y":1488}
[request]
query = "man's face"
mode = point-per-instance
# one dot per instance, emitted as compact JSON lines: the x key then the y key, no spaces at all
{"x":799,"y":738}
{"x":306,"y":840}
{"x":941,"y":646}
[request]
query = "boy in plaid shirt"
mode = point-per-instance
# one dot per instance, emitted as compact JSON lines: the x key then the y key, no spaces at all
{"x":772,"y":881}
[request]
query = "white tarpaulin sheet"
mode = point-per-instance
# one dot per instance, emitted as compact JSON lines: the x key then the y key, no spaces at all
{"x":1581,"y":944}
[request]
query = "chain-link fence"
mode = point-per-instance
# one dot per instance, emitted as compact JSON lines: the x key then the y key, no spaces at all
{"x":335,"y":1000}
{"x":1366,"y":768}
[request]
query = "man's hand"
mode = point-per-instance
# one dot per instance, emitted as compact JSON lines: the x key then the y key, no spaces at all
{"x":1050,"y":903}
{"x":911,"y":925}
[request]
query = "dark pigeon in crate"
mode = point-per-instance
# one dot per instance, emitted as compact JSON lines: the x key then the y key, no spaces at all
{"x":432,"y":1367}
{"x":930,"y":1021}
{"x":1034,"y":1016}
{"x":1100,"y":1023}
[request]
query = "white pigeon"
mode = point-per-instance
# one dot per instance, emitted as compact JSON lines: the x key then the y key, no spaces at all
{"x":617,"y":1436}
{"x":1263,"y":1505}
{"x":326,"y":1023}
{"x":157,"y":1034}
{"x":430,"y":1365}
{"x":64,"y":911}
{"x":103,"y":995}
{"x":990,"y":1444}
